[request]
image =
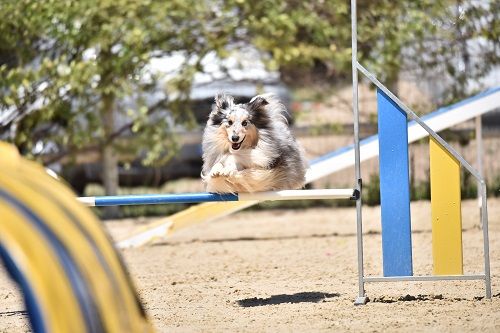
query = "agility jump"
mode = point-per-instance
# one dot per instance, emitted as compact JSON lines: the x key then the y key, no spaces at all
{"x":393,"y":140}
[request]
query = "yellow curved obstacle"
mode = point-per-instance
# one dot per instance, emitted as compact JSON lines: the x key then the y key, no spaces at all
{"x":71,"y":277}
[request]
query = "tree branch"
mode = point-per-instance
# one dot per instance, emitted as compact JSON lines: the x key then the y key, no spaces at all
{"x":94,"y":147}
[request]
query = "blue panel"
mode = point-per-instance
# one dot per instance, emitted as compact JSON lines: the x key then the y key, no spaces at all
{"x":394,"y":188}
{"x":152,"y":199}
{"x":33,"y":307}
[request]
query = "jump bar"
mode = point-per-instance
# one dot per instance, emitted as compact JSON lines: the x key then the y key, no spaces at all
{"x":155,"y":199}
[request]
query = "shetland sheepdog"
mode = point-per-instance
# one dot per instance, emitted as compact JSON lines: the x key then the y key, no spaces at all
{"x":249,"y":148}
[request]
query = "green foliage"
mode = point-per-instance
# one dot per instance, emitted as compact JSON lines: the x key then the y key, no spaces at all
{"x":371,"y":191}
{"x":468,"y":185}
{"x":421,"y":190}
{"x":462,"y":47}
{"x":494,"y":187}
{"x":68,"y":65}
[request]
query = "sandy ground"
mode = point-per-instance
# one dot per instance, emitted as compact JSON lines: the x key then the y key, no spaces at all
{"x":274,"y":271}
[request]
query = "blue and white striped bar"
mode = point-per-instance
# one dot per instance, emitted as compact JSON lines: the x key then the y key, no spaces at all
{"x":155,"y":199}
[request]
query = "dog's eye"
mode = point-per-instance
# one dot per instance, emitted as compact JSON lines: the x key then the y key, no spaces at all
{"x":229,"y":122}
{"x":244,"y":123}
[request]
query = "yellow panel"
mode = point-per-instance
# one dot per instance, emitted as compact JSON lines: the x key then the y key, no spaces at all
{"x":205,"y":212}
{"x":47,"y":278}
{"x":446,"y":211}
{"x":196,"y":214}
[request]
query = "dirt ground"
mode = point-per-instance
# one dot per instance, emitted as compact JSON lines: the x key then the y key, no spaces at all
{"x":291,"y":270}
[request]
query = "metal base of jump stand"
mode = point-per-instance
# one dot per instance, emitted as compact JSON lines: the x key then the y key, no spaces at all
{"x":361,"y":300}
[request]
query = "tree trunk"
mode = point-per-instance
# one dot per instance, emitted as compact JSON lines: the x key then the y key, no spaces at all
{"x":109,"y":156}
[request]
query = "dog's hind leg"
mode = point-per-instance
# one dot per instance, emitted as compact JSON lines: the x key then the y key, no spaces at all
{"x":219,"y":185}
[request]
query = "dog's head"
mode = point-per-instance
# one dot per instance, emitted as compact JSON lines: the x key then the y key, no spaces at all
{"x":239,"y":124}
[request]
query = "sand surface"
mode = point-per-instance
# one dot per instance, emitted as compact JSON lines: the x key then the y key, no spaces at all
{"x":286,"y":270}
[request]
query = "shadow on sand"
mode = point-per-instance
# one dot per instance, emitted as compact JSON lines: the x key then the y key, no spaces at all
{"x":305,"y":297}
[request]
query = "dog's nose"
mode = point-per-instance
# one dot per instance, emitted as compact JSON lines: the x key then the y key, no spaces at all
{"x":235,"y":138}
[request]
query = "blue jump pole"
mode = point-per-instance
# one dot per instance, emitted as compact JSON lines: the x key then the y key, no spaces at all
{"x":153,"y":199}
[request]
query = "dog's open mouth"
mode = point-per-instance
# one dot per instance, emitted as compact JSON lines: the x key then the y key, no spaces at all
{"x":237,"y":145}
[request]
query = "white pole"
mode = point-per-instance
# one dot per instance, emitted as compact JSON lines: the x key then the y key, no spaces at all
{"x":361,"y":299}
{"x":347,"y":193}
{"x":479,"y":145}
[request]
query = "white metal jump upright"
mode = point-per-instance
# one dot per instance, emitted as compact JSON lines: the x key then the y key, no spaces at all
{"x":362,"y":298}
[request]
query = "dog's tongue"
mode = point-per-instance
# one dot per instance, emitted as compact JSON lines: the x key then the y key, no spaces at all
{"x":236,"y":146}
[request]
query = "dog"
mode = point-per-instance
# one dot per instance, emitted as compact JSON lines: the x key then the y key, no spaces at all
{"x":249,"y":147}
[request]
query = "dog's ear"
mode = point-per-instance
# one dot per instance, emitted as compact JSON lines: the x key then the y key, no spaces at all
{"x":223,"y":102}
{"x":220,"y":109}
{"x":259,"y":117}
{"x":257,"y":103}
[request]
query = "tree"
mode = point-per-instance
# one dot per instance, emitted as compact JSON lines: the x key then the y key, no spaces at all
{"x":460,"y":39}
{"x":304,"y":34}
{"x":462,"y":50}
{"x":71,"y":67}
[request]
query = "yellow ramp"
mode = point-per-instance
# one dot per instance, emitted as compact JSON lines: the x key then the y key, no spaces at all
{"x":445,"y":211}
{"x":200,"y":213}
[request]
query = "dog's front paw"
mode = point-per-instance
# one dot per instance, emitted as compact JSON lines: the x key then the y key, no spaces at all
{"x":216,"y":170}
{"x":228,"y":171}
{"x":220,"y":170}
